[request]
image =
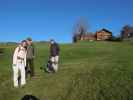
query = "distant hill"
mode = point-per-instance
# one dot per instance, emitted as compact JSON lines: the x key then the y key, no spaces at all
{"x":43,"y":41}
{"x":15,"y":43}
{"x":8,"y":43}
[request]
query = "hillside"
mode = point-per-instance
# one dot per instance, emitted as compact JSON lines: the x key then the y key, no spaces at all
{"x":88,"y":71}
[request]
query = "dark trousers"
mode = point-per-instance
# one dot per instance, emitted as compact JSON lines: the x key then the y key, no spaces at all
{"x":30,"y":67}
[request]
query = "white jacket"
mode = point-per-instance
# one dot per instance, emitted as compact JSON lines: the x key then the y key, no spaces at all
{"x":19,"y":52}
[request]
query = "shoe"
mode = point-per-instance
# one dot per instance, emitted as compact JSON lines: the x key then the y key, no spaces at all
{"x":15,"y":86}
{"x":22,"y":86}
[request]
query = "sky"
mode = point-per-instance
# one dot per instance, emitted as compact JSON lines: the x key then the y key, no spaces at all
{"x":55,"y":19}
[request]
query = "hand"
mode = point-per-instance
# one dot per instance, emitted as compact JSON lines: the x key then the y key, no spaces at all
{"x":55,"y":62}
{"x":14,"y":65}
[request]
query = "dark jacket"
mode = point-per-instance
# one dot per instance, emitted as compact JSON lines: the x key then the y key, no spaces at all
{"x":30,"y":52}
{"x":54,"y":49}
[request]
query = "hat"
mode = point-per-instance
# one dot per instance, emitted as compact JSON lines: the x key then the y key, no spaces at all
{"x":52,"y":41}
{"x":23,"y":41}
{"x":29,"y":39}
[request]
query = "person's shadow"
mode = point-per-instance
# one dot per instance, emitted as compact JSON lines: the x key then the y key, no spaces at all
{"x":29,"y":97}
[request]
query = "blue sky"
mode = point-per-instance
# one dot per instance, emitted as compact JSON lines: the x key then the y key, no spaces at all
{"x":46,"y":19}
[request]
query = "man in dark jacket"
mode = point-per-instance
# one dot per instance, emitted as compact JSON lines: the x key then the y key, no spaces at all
{"x":54,"y":54}
{"x":30,"y":58}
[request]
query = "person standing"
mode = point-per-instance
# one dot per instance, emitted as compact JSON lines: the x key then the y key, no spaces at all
{"x":30,"y":58}
{"x":19,"y":63}
{"x":54,"y":54}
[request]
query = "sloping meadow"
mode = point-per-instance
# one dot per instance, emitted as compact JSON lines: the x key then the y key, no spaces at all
{"x":87,"y":71}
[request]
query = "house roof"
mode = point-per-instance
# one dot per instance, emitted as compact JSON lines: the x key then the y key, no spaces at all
{"x":106,"y":30}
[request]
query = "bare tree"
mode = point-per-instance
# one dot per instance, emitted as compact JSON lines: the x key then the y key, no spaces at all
{"x":127,"y":32}
{"x":80,"y":29}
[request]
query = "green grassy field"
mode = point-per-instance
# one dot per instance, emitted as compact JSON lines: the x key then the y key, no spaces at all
{"x":87,"y":71}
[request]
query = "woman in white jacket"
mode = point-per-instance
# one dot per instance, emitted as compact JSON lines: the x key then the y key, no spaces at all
{"x":19,"y":63}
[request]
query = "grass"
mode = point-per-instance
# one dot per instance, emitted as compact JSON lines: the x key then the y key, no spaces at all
{"x":88,"y":71}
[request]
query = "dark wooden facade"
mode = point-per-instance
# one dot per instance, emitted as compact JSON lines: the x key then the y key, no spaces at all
{"x":103,"y":34}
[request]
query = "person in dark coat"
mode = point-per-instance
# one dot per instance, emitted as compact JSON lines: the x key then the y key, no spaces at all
{"x":30,"y":58}
{"x":54,"y":54}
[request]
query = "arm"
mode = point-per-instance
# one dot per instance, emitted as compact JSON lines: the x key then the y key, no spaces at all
{"x":51,"y":50}
{"x":58,"y":49}
{"x":15,"y":56}
{"x":33,"y":50}
{"x":25,"y":58}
